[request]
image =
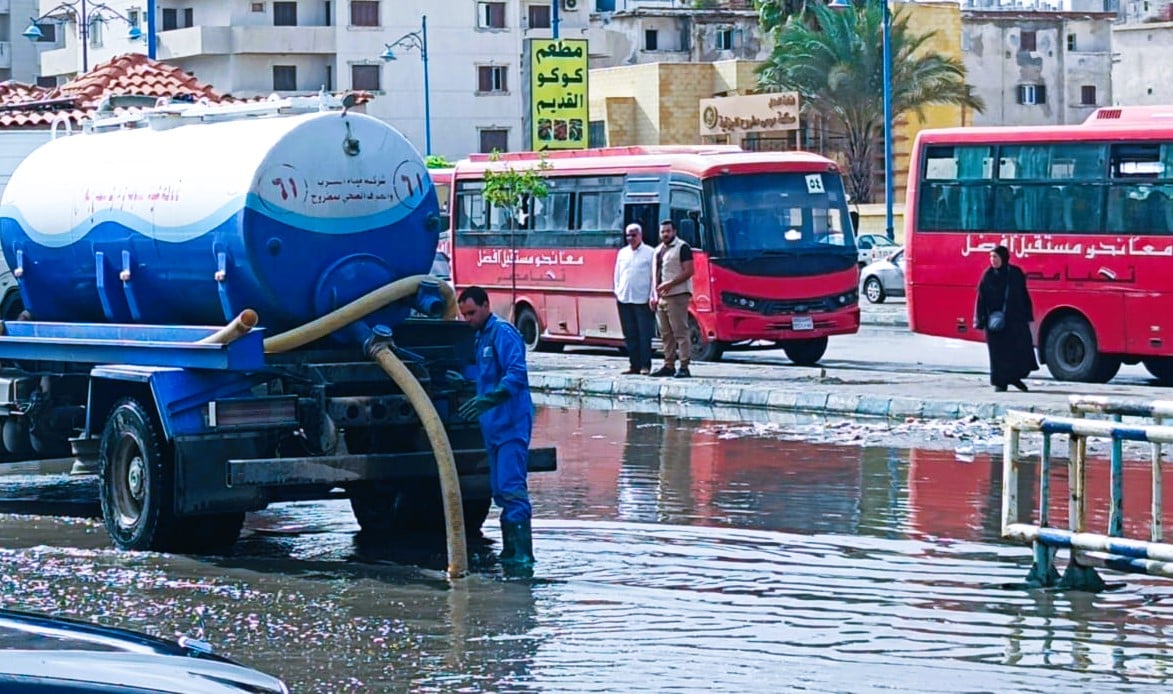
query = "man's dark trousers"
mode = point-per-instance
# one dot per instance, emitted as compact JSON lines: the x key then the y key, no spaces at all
{"x":638,"y":324}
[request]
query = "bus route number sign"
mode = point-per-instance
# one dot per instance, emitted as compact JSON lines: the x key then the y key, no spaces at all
{"x":814,"y":184}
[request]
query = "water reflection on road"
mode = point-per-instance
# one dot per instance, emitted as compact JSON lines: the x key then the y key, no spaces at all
{"x":675,"y":554}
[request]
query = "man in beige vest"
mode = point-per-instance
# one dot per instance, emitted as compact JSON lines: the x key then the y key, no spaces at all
{"x":672,"y":277}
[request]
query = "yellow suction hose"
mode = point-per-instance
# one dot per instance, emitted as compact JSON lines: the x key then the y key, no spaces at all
{"x":407,"y":382}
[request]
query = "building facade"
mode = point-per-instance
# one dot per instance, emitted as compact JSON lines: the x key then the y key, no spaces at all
{"x":666,"y":31}
{"x":18,"y":55}
{"x":1036,"y":67}
{"x":477,"y":79}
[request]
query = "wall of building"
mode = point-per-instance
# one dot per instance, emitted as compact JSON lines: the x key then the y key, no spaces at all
{"x":681,"y":36}
{"x":1140,"y":75}
{"x":999,"y":64}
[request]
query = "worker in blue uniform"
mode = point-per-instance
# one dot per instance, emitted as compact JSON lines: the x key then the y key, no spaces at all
{"x":506,"y":413}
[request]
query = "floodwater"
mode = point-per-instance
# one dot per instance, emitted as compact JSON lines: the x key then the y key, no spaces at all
{"x":675,"y":554}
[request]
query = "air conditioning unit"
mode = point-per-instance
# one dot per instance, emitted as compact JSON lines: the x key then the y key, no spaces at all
{"x":570,"y":5}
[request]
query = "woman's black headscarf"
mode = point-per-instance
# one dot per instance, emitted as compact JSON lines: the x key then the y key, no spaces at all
{"x":1003,"y":253}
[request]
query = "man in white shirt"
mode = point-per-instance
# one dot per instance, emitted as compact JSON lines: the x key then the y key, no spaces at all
{"x":633,"y":291}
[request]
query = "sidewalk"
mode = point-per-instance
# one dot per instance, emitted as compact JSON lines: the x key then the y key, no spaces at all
{"x":817,"y":390}
{"x":892,"y":313}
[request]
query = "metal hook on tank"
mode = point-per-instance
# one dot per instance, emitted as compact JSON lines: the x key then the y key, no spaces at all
{"x":350,"y":144}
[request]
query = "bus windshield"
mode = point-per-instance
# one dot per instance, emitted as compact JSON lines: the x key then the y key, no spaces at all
{"x":760,"y":214}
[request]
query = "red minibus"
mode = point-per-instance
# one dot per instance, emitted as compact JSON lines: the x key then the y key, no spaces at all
{"x":1085,"y":211}
{"x":774,"y":250}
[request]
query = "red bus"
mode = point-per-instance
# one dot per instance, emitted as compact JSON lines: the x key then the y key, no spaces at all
{"x":774,"y":250}
{"x":1085,"y":211}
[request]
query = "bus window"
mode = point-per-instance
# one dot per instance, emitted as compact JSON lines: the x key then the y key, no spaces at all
{"x":685,"y":203}
{"x":552,"y":213}
{"x":957,"y":189}
{"x":757,"y":213}
{"x":470,"y":212}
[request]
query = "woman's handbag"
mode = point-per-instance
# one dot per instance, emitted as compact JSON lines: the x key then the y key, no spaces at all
{"x":996,"y":321}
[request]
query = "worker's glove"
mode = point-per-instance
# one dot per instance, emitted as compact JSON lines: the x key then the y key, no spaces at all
{"x":459,"y":383}
{"x":473,"y":409}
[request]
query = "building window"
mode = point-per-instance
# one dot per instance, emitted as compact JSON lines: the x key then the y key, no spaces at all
{"x":490,"y":15}
{"x":1071,"y":42}
{"x":47,"y":82}
{"x":539,"y":16}
{"x":492,"y":78}
{"x":329,"y":13}
{"x":285,"y":14}
{"x":1032,"y":94}
{"x":724,"y":39}
{"x":284,"y":76}
{"x":494,"y":140}
{"x":366,"y":77}
{"x":1027,"y":41}
{"x":364,"y":13}
{"x":651,"y":39}
{"x":1087,"y":95}
{"x":170,"y":19}
{"x":257,"y":7}
{"x":134,"y":17}
{"x":597,"y":134}
{"x":329,"y":78}
{"x":188,"y":17}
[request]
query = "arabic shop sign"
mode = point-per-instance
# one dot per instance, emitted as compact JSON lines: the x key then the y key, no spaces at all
{"x":754,"y":113}
{"x":558,"y":93}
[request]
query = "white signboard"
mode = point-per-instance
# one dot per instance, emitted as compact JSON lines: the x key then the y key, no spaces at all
{"x":753,"y":113}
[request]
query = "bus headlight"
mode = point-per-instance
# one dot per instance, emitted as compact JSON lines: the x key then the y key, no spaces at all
{"x":850,"y":297}
{"x":739,"y":301}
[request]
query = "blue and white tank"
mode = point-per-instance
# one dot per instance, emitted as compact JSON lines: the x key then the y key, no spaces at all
{"x":291,"y":216}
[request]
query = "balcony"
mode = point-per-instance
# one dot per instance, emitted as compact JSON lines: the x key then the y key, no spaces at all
{"x":211,"y":40}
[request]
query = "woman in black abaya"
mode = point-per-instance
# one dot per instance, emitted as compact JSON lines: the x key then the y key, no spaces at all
{"x":1003,"y":288}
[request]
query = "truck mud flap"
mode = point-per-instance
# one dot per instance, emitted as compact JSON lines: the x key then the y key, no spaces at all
{"x":340,"y":469}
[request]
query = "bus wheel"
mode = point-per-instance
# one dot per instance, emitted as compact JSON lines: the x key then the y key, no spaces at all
{"x":1161,"y":368}
{"x":526,"y":322}
{"x":1073,"y":353}
{"x":702,"y":349}
{"x":806,"y":352}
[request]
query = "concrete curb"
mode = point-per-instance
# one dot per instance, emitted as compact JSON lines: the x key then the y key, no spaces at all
{"x":797,"y":398}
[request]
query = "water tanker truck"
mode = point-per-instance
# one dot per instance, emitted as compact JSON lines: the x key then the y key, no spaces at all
{"x":214,"y":298}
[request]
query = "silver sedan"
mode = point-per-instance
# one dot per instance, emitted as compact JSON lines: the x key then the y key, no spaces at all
{"x":883,"y":278}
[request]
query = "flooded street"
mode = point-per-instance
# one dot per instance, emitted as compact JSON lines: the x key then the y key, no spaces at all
{"x":675,"y":554}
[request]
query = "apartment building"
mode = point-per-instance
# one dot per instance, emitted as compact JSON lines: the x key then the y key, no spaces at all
{"x":1036,"y":66}
{"x":247,"y":48}
{"x":18,"y":55}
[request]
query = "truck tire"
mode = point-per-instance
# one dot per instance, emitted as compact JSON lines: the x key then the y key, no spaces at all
{"x":805,"y":352}
{"x":1072,"y":353}
{"x":136,"y":483}
{"x":12,"y":305}
{"x":702,"y":349}
{"x":136,"y":479}
{"x":393,"y":511}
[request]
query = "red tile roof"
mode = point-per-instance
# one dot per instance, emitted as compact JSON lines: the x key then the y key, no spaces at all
{"x":24,"y":106}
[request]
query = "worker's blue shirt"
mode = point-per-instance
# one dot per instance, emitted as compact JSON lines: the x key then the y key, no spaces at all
{"x":501,"y":363}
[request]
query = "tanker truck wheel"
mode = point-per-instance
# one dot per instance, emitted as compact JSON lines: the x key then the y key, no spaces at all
{"x":135,"y":480}
{"x":411,"y":508}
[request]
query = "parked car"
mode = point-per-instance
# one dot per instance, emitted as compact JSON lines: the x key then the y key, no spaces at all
{"x":884,"y":278}
{"x":39,"y":653}
{"x":873,"y":247}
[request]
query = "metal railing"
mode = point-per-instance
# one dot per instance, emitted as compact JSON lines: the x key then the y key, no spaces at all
{"x":1088,"y":551}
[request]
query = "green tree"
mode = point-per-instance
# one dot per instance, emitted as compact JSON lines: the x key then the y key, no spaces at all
{"x":437,"y":161}
{"x":834,"y":59}
{"x":512,"y":191}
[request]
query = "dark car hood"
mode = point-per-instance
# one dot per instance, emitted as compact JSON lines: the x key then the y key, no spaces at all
{"x":149,"y":671}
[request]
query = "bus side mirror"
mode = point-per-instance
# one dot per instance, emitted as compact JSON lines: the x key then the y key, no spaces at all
{"x":854,"y":220}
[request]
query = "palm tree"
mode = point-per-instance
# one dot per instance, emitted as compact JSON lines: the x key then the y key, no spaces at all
{"x":834,"y":60}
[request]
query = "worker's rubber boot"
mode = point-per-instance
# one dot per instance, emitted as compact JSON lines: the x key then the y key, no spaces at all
{"x":519,"y":544}
{"x":508,"y":550}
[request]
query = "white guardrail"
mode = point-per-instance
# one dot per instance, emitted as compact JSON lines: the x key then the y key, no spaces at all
{"x":1088,"y":550}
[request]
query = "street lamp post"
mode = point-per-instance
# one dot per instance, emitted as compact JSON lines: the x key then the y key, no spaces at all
{"x":83,"y":13}
{"x":889,"y":188}
{"x":419,"y":41}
